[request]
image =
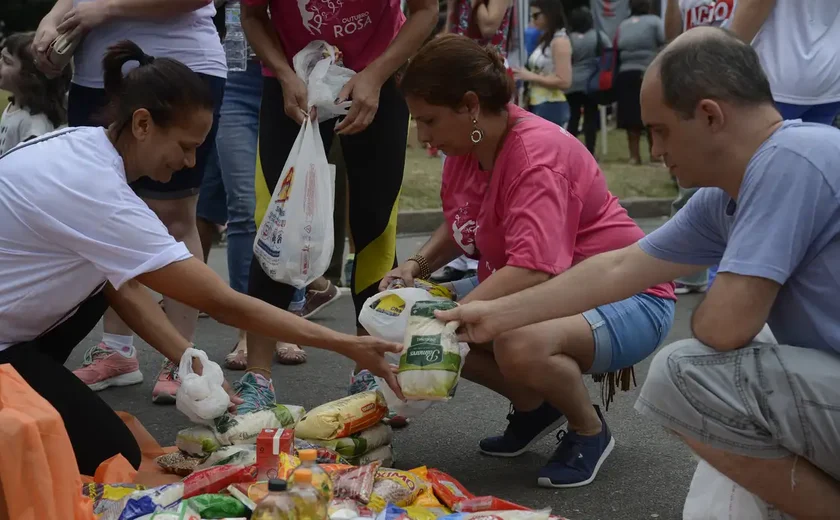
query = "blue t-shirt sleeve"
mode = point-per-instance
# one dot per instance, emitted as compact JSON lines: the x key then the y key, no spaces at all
{"x":694,"y":236}
{"x":783,"y":206}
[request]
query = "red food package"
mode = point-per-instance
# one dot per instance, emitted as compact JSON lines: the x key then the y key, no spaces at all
{"x":355,"y":482}
{"x":271,"y":442}
{"x":447,"y":489}
{"x":487,"y":503}
{"x":217,"y":478}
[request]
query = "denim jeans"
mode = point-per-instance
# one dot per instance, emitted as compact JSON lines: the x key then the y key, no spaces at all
{"x":227,"y":192}
{"x":555,"y":111}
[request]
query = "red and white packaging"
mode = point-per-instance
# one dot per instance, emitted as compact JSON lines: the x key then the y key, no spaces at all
{"x":271,"y":442}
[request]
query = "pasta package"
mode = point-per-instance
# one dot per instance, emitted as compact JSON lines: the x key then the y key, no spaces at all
{"x":342,"y":418}
{"x":432,"y":357}
{"x":393,"y":486}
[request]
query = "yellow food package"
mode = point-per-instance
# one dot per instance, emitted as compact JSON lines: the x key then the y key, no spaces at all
{"x":285,"y":465}
{"x":343,"y":417}
{"x":397,"y":487}
{"x":420,"y":513}
{"x":427,"y":499}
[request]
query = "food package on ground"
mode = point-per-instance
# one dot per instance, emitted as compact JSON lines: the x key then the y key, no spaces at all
{"x":416,"y":512}
{"x":352,"y":482}
{"x":280,"y":466}
{"x":342,"y":509}
{"x":360,"y":443}
{"x":217,"y":478}
{"x":249,"y":493}
{"x":198,"y":441}
{"x":427,"y":498}
{"x":392,"y":512}
{"x":217,"y":506}
{"x":244,"y":429}
{"x":180,"y":512}
{"x":144,"y":503}
{"x":447,"y":489}
{"x":383,"y":454}
{"x":487,"y":503}
{"x":270,"y":444}
{"x":397,"y":487}
{"x":432,"y":357}
{"x":325,"y":455}
{"x":178,"y":463}
{"x":108,"y":498}
{"x":385,"y":315}
{"x":343,"y":417}
{"x":243,"y":454}
{"x":502,"y":515}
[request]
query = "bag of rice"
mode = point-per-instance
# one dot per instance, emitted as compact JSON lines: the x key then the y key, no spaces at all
{"x":383,"y":454}
{"x":385,"y":315}
{"x":432,"y":358}
{"x":343,"y":417}
{"x":361,"y":442}
{"x":198,"y":441}
{"x":244,"y":429}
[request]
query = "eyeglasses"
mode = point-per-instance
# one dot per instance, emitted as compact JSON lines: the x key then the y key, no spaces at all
{"x":536,"y":14}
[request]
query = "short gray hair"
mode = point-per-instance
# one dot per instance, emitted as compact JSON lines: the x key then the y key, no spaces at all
{"x":713,"y":65}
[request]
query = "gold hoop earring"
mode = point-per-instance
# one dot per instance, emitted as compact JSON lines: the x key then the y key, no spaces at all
{"x":477,"y":134}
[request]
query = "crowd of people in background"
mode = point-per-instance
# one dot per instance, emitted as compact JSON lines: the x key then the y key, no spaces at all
{"x":530,"y":223}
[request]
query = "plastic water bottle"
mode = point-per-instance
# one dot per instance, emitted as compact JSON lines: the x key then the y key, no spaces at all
{"x":236,"y":47}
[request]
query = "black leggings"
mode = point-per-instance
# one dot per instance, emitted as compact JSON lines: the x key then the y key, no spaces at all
{"x":375,"y":160}
{"x":96,"y":432}
{"x":578,"y":100}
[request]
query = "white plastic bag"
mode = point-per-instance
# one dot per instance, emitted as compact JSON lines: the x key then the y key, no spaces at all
{"x":385,"y":315}
{"x":294,"y":243}
{"x":713,"y":496}
{"x":318,"y":66}
{"x":201,"y":398}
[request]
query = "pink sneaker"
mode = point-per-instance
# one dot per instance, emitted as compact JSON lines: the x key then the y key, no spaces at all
{"x":103,"y":367}
{"x":167,"y":384}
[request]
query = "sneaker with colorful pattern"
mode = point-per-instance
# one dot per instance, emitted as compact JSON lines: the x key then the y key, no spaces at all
{"x":103,"y":367}
{"x":167,"y":384}
{"x":257,"y":392}
{"x":364,"y":381}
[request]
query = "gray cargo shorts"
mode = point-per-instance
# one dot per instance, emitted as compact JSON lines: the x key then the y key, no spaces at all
{"x":764,"y":400}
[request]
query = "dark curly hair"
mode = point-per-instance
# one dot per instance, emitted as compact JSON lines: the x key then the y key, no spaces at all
{"x":36,"y":92}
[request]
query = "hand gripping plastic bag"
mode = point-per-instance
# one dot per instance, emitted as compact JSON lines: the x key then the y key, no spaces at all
{"x":713,"y":496}
{"x":201,"y":398}
{"x":319,"y":66}
{"x":385,"y":315}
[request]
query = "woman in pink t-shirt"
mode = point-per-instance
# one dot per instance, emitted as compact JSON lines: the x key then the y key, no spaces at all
{"x":527,"y":200}
{"x":375,"y":40}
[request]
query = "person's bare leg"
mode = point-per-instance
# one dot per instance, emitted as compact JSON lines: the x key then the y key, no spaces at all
{"x":179,"y":217}
{"x":207,"y":233}
{"x":792,"y":484}
{"x":549,"y":358}
{"x":633,"y":138}
{"x":112,"y":324}
{"x":480,"y":367}
{"x":260,"y":352}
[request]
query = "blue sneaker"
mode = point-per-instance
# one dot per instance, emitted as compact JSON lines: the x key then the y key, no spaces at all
{"x":523,"y":430}
{"x":364,"y":381}
{"x":257,"y":392}
{"x":577,"y":459}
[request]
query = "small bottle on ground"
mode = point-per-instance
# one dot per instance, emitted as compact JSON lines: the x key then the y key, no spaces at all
{"x":309,"y":501}
{"x":277,"y":505}
{"x":320,"y":479}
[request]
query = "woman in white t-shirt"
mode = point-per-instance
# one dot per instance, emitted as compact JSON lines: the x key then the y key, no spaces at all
{"x":182,"y":30}
{"x":76,"y":239}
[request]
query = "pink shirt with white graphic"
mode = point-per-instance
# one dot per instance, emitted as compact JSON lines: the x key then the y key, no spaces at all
{"x":361,"y":29}
{"x":545,"y":206}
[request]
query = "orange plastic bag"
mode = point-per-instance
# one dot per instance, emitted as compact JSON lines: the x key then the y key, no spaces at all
{"x":150,"y":473}
{"x":116,"y":470}
{"x":39,"y":476}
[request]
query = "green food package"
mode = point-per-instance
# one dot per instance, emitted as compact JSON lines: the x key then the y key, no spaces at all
{"x":217,"y":506}
{"x":243,"y":429}
{"x":359,"y":443}
{"x":198,"y":441}
{"x":431,"y":360}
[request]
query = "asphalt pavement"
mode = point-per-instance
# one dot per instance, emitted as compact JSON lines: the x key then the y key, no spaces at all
{"x":647,"y":475}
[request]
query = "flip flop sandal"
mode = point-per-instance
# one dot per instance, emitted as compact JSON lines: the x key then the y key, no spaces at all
{"x":237,"y":359}
{"x":288,"y":354}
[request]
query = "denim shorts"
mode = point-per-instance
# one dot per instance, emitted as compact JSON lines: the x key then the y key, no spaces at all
{"x":628,"y":331}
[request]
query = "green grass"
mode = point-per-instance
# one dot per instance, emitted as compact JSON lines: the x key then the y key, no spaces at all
{"x":421,"y":186}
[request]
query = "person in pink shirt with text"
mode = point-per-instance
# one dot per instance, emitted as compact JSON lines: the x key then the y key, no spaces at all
{"x":527,"y":200}
{"x":375,"y":39}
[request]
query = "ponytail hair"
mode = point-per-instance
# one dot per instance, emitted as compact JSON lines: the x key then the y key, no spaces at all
{"x":451,"y":65}
{"x":166,"y":88}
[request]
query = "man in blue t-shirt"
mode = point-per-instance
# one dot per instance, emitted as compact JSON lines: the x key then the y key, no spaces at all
{"x":765,"y":414}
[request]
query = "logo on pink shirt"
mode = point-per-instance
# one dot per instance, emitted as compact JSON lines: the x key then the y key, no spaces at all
{"x":317,"y":13}
{"x":711,"y":13}
{"x":464,"y":228}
